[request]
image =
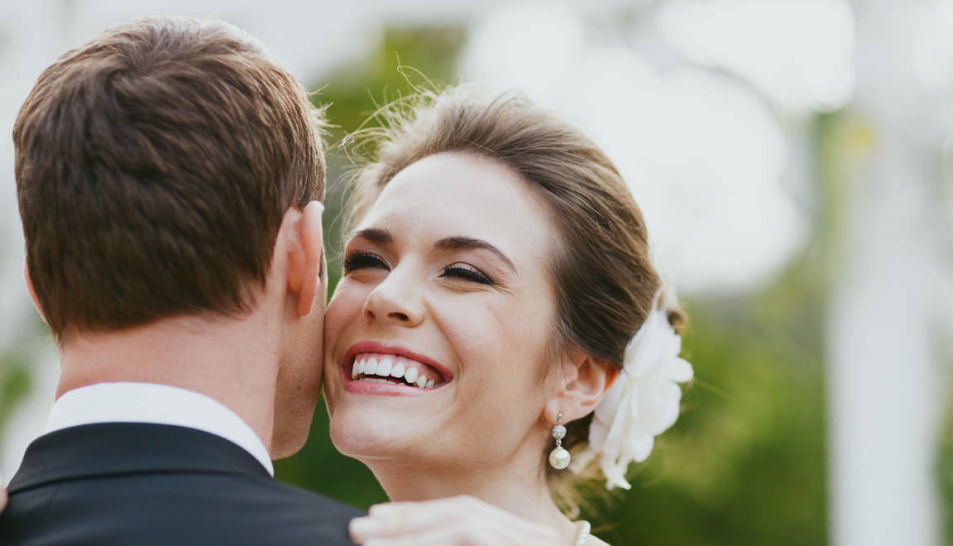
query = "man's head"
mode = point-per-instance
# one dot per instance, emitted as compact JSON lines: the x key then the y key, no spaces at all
{"x":156,"y":167}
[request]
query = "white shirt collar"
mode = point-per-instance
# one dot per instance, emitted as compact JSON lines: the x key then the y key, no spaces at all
{"x":157,"y":404}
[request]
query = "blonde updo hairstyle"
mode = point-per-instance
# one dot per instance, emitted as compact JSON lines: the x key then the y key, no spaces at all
{"x":605,"y":283}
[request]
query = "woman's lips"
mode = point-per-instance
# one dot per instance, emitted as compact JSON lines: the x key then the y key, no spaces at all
{"x":377,"y":368}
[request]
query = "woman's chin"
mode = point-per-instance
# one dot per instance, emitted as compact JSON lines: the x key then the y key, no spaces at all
{"x":371,"y":437}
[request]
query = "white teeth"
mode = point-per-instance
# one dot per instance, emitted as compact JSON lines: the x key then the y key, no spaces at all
{"x":391,"y":366}
{"x":384,"y":366}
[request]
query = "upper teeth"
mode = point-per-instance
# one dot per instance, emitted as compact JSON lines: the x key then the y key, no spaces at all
{"x":411,"y":371}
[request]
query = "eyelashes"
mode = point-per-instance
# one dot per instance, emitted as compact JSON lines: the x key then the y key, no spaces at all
{"x":366,"y":260}
{"x":466,"y":272}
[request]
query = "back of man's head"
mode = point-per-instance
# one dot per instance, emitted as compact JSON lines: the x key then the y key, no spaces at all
{"x":154,"y":166}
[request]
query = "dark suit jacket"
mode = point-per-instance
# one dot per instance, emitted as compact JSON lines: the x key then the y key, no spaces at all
{"x":142,"y":484}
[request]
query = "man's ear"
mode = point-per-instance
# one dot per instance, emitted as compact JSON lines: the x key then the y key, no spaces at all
{"x":306,"y":256}
{"x":29,"y":287}
{"x":581,"y":384}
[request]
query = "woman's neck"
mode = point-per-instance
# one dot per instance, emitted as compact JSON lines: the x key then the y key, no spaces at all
{"x":518,"y":486}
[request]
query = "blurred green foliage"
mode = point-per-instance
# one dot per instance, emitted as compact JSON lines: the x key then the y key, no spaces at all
{"x":944,"y":462}
{"x":15,"y":384}
{"x":746,"y":462}
{"x":945,"y":478}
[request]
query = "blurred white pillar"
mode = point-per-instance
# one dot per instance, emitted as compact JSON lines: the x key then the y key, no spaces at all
{"x":884,"y":389}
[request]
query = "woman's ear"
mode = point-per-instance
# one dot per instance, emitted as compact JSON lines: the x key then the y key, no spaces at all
{"x":581,"y":385}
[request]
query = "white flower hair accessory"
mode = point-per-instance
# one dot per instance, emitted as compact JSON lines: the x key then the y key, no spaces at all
{"x":642,"y":403}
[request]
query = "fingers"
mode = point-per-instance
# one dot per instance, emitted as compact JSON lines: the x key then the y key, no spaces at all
{"x":461,"y":521}
{"x":429,"y":537}
{"x":433,"y":537}
{"x":447,"y":535}
{"x":395,"y":521}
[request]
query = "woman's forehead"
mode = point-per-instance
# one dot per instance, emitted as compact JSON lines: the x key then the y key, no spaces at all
{"x":467,"y":195}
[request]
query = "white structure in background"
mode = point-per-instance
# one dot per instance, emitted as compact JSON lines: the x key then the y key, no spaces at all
{"x":885,"y":386}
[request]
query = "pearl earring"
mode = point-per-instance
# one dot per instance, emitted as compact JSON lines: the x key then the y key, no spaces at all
{"x":559,"y":458}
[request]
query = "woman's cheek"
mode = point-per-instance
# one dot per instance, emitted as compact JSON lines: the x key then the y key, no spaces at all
{"x":472,"y":328}
{"x":344,"y":307}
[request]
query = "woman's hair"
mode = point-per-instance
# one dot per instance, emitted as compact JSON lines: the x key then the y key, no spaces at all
{"x":604,"y":281}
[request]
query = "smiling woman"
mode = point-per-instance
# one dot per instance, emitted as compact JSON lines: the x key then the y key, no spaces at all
{"x":493,"y":288}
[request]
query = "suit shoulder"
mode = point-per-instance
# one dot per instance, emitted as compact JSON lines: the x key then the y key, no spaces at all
{"x":295,"y":516}
{"x":291,"y":515}
{"x":315,"y":501}
{"x":206,"y":509}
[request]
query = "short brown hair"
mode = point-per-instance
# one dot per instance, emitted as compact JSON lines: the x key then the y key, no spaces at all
{"x":604,"y":281}
{"x":154,"y":166}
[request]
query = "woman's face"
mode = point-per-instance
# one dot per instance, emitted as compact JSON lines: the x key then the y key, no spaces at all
{"x":437,"y":334}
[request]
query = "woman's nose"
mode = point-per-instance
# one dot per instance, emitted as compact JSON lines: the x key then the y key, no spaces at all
{"x":397,"y":299}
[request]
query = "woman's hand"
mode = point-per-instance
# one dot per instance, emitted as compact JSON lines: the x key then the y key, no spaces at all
{"x":456,"y":521}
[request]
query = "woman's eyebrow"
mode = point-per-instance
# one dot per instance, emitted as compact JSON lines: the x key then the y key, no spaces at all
{"x":374,"y":235}
{"x":466,"y":243}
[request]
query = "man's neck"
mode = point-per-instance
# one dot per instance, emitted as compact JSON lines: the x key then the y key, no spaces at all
{"x":233,"y":361}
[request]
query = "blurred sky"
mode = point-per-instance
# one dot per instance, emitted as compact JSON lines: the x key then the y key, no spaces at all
{"x":686,"y":122}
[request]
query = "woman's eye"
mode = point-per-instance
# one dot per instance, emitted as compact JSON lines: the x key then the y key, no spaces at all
{"x":364,"y":260}
{"x":466,"y":272}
